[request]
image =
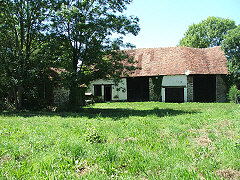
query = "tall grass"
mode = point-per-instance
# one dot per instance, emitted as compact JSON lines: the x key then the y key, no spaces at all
{"x":141,"y":140}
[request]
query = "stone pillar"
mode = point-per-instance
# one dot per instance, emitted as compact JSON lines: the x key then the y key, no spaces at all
{"x":151,"y":90}
{"x":163,"y":94}
{"x":185,"y":94}
{"x":153,"y":96}
{"x":189,"y":88}
{"x":220,"y":89}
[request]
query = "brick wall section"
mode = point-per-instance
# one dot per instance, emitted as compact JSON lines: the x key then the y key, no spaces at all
{"x":220,"y":89}
{"x":190,"y":89}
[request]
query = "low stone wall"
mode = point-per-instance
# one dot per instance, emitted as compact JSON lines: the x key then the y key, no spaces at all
{"x":61,"y":96}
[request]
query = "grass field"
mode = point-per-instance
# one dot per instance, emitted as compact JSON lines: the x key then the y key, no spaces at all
{"x":141,"y":140}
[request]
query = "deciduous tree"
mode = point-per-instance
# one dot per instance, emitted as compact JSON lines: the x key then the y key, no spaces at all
{"x":85,"y":28}
{"x":207,"y":33}
{"x":231,"y":46}
{"x":23,"y":25}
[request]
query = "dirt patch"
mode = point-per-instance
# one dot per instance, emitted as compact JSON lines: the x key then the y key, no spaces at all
{"x":82,"y":168}
{"x":5,"y":158}
{"x":224,"y":123}
{"x":228,"y":174}
{"x":225,"y":127}
{"x":124,"y":140}
{"x":200,"y":132}
{"x":203,"y":141}
{"x":81,"y":171}
{"x":129,"y":139}
{"x":204,"y":131}
{"x":200,"y":176}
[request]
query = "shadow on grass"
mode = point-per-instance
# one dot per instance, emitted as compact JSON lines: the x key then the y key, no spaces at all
{"x":115,"y":114}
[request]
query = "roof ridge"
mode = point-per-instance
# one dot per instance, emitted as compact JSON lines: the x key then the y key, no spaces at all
{"x":172,"y":47}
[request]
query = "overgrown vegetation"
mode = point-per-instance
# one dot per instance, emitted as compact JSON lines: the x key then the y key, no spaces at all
{"x":157,"y":87}
{"x":74,"y":35}
{"x":147,"y":140}
{"x":234,"y":94}
{"x":231,"y":47}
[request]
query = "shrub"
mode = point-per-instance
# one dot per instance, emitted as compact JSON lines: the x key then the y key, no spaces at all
{"x":1,"y":105}
{"x":233,"y":92}
{"x":98,"y":99}
{"x":94,"y":136}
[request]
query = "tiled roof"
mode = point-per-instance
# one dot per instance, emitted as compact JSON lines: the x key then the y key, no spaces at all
{"x":177,"y":60}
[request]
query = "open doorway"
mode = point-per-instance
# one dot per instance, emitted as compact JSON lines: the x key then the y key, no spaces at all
{"x":174,"y":94}
{"x":138,"y":89}
{"x":107,"y":92}
{"x":204,"y":88}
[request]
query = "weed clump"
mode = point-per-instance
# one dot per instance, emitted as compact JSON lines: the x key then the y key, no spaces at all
{"x":94,"y":136}
{"x":234,"y":94}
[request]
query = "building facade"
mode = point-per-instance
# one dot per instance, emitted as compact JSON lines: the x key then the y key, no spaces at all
{"x":175,"y":74}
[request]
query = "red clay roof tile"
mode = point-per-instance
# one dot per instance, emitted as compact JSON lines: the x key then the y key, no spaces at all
{"x":176,"y":60}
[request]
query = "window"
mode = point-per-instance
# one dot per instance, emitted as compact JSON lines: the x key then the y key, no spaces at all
{"x":98,"y":90}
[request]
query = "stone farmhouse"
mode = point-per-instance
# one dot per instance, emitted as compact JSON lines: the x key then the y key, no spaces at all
{"x":172,"y":74}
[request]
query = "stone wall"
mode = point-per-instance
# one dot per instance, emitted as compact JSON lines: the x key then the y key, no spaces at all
{"x":189,"y":88}
{"x":61,"y":96}
{"x":220,"y":89}
{"x":152,"y":95}
{"x":151,"y":90}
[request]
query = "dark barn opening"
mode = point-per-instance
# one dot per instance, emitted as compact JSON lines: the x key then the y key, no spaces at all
{"x":107,"y":93}
{"x":204,"y":88}
{"x":97,"y":90}
{"x":138,"y":89}
{"x":175,"y":95}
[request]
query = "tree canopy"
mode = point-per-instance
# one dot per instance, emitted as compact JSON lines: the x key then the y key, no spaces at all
{"x":85,"y":29}
{"x":22,"y":32}
{"x":71,"y":34}
{"x":231,"y":46}
{"x":207,"y":33}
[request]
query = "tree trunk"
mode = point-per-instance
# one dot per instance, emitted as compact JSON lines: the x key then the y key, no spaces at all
{"x":19,"y":97}
{"x":77,"y":97}
{"x":15,"y":97}
{"x":77,"y":94}
{"x":17,"y":94}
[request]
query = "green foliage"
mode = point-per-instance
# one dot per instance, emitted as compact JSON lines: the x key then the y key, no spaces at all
{"x":231,"y":47}
{"x":139,"y":140}
{"x":207,"y":33}
{"x":22,"y":32}
{"x":94,"y":136}
{"x":85,"y":28}
{"x":74,"y":35}
{"x":2,"y":103}
{"x":233,"y":93}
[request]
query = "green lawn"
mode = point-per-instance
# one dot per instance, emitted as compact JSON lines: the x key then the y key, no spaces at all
{"x":140,"y":140}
